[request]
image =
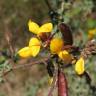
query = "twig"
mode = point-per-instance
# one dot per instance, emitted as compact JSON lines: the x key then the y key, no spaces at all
{"x":8,"y":37}
{"x":88,"y":78}
{"x":47,"y":3}
{"x":54,"y":83}
{"x":25,"y":65}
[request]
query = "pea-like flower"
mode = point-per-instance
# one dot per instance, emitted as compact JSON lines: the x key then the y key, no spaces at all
{"x":36,"y":29}
{"x":32,"y":49}
{"x":56,"y":47}
{"x":35,"y":43}
{"x":79,"y":66}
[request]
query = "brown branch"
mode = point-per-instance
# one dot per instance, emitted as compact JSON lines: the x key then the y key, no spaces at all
{"x":88,"y":78}
{"x":25,"y":65}
{"x":48,"y":4}
{"x":54,"y":83}
{"x":9,"y":38}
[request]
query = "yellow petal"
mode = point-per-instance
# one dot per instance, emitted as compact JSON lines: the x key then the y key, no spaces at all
{"x":34,"y":45}
{"x":33,"y":27}
{"x":79,"y":66}
{"x":91,"y":33}
{"x":50,"y":80}
{"x":34,"y":50}
{"x":56,"y":45}
{"x":34,"y":42}
{"x":24,"y":52}
{"x":65,"y":56}
{"x":45,"y":28}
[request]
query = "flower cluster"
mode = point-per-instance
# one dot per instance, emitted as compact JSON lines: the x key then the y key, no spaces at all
{"x":44,"y":38}
{"x":35,"y":43}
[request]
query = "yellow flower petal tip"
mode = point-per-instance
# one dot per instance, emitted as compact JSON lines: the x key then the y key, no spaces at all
{"x":34,"y":46}
{"x":56,"y":45}
{"x":24,"y":52}
{"x":50,"y":80}
{"x":47,"y":27}
{"x":64,"y":55}
{"x":33,"y":27}
{"x":79,"y":66}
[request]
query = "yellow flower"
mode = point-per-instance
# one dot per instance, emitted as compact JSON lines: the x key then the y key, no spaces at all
{"x":24,"y":52}
{"x":79,"y":66}
{"x":65,"y":56}
{"x":34,"y":44}
{"x":36,"y":29}
{"x":56,"y":45}
{"x":91,"y":33}
{"x":32,"y":50}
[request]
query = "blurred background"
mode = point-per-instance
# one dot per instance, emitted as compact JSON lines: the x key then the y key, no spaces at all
{"x":33,"y":81}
